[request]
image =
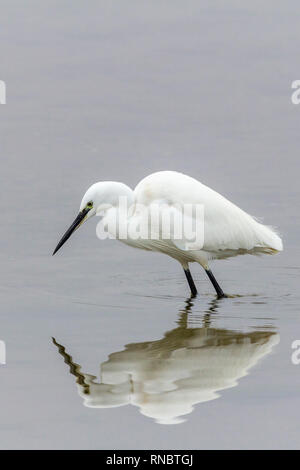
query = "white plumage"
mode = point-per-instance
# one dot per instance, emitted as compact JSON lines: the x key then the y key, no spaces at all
{"x":228,"y":230}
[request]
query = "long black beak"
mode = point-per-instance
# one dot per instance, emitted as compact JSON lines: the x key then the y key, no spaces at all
{"x":71,"y":229}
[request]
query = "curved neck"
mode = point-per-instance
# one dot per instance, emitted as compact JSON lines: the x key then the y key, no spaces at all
{"x":118,"y":200}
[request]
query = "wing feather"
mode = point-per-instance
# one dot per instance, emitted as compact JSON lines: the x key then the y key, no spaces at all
{"x":226,"y":226}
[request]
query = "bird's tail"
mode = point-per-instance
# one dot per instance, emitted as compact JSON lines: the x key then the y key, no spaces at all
{"x":268,"y":240}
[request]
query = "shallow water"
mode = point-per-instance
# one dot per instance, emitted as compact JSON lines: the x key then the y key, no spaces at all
{"x":110,"y":91}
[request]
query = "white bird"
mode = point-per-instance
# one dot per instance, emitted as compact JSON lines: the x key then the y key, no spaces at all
{"x":227,"y":230}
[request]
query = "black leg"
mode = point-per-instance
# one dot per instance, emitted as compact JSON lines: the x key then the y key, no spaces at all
{"x":219,"y":291}
{"x":190,"y":280}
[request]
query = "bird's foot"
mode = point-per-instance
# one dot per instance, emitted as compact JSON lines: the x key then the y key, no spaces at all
{"x":223,"y":296}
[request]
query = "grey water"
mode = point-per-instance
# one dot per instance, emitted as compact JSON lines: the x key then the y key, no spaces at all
{"x":104,"y":349}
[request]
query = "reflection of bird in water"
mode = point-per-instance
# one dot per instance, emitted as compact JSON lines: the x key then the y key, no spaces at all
{"x":167,"y":377}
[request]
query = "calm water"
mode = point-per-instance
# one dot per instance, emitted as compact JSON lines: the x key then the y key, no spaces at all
{"x":117,"y":91}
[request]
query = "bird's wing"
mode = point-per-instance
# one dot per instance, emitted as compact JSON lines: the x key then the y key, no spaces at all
{"x":174,"y":223}
{"x":226,"y":226}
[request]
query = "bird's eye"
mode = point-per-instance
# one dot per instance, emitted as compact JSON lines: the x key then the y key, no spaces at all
{"x":89,"y":205}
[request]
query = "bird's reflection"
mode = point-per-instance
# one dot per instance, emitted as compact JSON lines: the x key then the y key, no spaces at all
{"x":167,"y":377}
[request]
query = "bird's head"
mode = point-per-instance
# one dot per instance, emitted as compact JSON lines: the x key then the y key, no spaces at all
{"x":98,"y":198}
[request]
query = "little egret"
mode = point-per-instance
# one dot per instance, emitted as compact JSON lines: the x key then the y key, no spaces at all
{"x":227,"y":230}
